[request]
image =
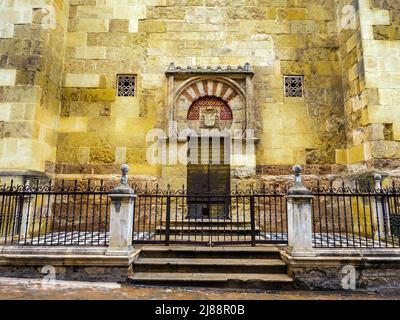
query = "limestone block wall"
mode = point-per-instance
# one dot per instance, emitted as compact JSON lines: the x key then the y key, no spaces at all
{"x":99,"y":131}
{"x":303,"y":130}
{"x":373,"y":117}
{"x":355,"y":95}
{"x":31,"y":62}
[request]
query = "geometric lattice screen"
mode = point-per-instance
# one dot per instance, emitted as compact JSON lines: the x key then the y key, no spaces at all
{"x":126,"y":85}
{"x":294,"y":86}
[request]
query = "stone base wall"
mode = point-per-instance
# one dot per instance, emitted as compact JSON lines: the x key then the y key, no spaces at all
{"x":372,"y":273}
{"x":68,"y":273}
{"x":377,"y":278}
{"x":70,"y":263}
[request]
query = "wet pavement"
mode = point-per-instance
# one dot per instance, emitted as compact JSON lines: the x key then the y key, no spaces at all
{"x":25,"y":289}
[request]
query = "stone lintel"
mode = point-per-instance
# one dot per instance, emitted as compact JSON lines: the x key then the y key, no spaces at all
{"x":210,"y":70}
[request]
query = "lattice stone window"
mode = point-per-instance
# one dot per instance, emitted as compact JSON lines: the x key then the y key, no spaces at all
{"x":126,"y":84}
{"x":294,"y":86}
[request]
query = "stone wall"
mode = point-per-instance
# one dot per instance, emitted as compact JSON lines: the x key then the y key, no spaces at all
{"x":60,"y":113}
{"x":373,"y":272}
{"x":31,"y":63}
{"x":99,"y":131}
{"x":371,"y":88}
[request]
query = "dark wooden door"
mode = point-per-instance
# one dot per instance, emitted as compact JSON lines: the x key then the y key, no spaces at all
{"x":208,"y":181}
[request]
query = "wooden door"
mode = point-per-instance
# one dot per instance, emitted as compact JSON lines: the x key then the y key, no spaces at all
{"x":208,"y":182}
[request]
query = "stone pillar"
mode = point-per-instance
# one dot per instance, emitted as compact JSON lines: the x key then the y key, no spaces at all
{"x":27,"y":208}
{"x":121,"y":217}
{"x":380,"y":211}
{"x":299,"y":210}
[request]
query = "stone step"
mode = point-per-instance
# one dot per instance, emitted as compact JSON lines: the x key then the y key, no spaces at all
{"x":214,"y":222}
{"x":206,"y":238}
{"x":221,"y":280}
{"x":207,"y":231}
{"x":188,"y":252}
{"x":198,"y":265}
{"x":200,"y":228}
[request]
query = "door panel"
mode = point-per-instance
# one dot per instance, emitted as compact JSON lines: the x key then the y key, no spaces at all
{"x":209,"y":184}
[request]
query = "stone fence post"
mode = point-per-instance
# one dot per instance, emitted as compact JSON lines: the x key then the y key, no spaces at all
{"x":121,"y":217}
{"x":380,"y":211}
{"x":299,"y":208}
{"x":26,"y":209}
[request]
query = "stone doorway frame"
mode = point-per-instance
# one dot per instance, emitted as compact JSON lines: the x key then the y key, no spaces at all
{"x":238,"y":82}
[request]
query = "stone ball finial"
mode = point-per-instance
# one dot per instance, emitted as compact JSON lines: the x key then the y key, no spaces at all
{"x":124,"y":187}
{"x":124,"y":169}
{"x":298,"y":187}
{"x":377,"y":177}
{"x":297,"y":169}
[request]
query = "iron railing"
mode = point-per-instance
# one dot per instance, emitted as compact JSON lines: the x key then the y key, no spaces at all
{"x":72,"y":214}
{"x":241,"y":217}
{"x":48,"y":215}
{"x":356,"y":217}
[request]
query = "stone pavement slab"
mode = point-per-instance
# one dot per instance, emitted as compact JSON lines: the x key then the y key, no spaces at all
{"x":25,"y":289}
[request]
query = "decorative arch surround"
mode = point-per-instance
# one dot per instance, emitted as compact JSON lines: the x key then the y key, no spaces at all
{"x":226,"y":94}
{"x":233,"y":88}
{"x":220,"y":87}
{"x":231,"y":84}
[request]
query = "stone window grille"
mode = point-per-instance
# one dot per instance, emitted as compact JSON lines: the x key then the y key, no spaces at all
{"x":294,"y":86}
{"x":126,"y":85}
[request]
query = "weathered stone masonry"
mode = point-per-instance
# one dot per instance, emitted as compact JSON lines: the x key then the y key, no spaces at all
{"x":60,"y":114}
{"x":31,"y":64}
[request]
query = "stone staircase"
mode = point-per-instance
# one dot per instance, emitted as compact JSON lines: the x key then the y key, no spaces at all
{"x":216,"y":230}
{"x":223,"y":267}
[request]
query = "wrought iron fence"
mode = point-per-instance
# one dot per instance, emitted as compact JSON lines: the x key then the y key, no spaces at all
{"x":356,"y":217}
{"x":48,"y":215}
{"x":72,"y":214}
{"x":179,"y":217}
